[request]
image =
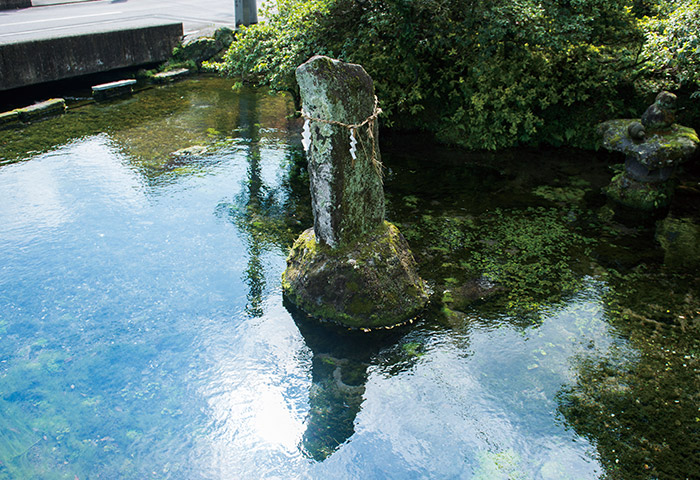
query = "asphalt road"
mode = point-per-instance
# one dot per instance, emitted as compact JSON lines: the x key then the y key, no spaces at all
{"x":48,"y":18}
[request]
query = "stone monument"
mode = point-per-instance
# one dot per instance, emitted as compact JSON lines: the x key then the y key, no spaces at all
{"x":245,"y":12}
{"x":352,"y":267}
{"x":654,"y":147}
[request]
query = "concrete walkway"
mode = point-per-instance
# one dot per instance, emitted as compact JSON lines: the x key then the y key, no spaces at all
{"x":56,"y":18}
{"x":46,"y":3}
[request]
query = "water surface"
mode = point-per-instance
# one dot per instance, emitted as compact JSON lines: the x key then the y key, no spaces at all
{"x":143,"y":333}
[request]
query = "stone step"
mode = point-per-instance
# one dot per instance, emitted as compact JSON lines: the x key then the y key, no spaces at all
{"x":172,"y":75}
{"x":48,"y":108}
{"x":119,"y":88}
{"x":9,"y":118}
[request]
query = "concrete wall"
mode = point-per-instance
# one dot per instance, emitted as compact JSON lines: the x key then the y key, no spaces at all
{"x":45,"y":60}
{"x":12,"y":4}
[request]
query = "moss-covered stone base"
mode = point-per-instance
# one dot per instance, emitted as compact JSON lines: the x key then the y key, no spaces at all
{"x":200,"y":49}
{"x":640,"y":196}
{"x":371,"y":283}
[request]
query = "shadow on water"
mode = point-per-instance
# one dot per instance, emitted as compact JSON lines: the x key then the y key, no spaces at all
{"x":339,"y":366}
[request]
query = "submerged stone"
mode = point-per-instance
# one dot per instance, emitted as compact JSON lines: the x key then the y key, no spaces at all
{"x":680,"y":240}
{"x":370,"y":283}
{"x":190,"y":152}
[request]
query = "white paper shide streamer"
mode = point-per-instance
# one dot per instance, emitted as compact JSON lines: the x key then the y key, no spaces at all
{"x":306,"y":136}
{"x":369,"y":122}
{"x":353,"y":144}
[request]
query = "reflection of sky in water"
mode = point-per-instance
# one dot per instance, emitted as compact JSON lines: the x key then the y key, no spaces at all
{"x":42,"y":193}
{"x":485,"y":397}
{"x":128,"y":352}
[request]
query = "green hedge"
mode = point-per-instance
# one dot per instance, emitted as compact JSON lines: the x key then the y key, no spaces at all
{"x":483,"y":74}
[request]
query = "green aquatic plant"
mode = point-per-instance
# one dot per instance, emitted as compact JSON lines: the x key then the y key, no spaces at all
{"x":413,"y":349}
{"x":410,"y":201}
{"x":642,"y":412}
{"x":564,"y":195}
{"x":499,"y":465}
{"x":531,"y":255}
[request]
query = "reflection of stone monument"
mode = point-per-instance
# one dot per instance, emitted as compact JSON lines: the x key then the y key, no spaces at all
{"x":255,"y":271}
{"x":653,"y":149}
{"x":353,"y":267}
{"x":338,"y":373}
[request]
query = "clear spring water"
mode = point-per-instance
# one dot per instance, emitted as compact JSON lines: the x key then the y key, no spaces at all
{"x":143,"y":333}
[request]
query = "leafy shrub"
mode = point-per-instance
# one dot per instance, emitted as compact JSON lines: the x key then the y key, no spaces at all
{"x":672,"y":47}
{"x":268,"y":53}
{"x":481,"y":74}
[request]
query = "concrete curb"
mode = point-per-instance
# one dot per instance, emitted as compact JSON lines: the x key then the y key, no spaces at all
{"x":48,"y":108}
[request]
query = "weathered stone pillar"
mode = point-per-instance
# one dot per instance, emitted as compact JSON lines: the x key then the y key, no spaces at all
{"x":346,"y":189}
{"x":353,"y":267}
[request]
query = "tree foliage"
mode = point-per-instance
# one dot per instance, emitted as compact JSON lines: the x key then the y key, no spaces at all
{"x":267,"y":53}
{"x":672,"y":47}
{"x":484,"y":74}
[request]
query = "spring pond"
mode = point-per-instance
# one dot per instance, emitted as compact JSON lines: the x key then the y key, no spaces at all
{"x":143,"y":333}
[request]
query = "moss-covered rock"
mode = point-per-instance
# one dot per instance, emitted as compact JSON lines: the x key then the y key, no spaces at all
{"x":640,"y":196}
{"x":658,"y":150}
{"x":370,"y":283}
{"x":347,"y":193}
{"x":352,"y":267}
{"x":200,"y":49}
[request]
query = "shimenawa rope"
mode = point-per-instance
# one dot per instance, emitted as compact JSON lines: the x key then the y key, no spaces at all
{"x":369,"y":121}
